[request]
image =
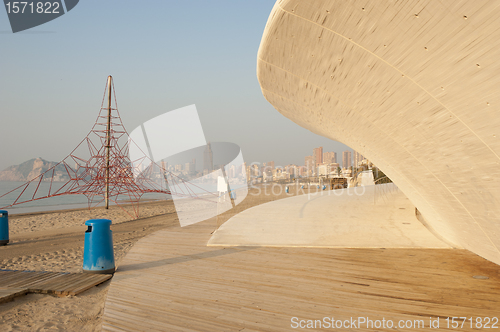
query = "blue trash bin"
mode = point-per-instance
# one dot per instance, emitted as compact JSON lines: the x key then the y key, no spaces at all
{"x":324,"y":187}
{"x":4,"y":227}
{"x":98,"y":256}
{"x":286,"y":189}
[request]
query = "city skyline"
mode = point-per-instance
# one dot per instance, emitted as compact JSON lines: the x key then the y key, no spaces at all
{"x":328,"y":157}
{"x":332,"y":156}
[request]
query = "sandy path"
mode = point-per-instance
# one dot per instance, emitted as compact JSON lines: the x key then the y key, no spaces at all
{"x":35,"y":222}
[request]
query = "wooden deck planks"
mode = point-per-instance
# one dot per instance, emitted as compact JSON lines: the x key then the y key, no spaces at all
{"x":171,"y":281}
{"x":7,"y":294}
{"x":17,"y":283}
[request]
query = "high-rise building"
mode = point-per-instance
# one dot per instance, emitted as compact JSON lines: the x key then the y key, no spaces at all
{"x":208,"y":158}
{"x":232,"y":171}
{"x":346,"y":159}
{"x":249,"y":173}
{"x":256,"y":170}
{"x":358,"y":157}
{"x":318,"y":155}
{"x":292,"y":170}
{"x":300,"y":171}
{"x":243,"y":171}
{"x":329,"y":157}
{"x":309,"y":162}
{"x":268,"y":168}
{"x":326,"y":157}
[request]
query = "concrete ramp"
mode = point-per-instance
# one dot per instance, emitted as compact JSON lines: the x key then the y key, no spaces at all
{"x":362,"y":217}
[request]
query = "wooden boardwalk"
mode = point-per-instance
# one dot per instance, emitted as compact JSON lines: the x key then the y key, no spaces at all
{"x":171,"y":281}
{"x":17,"y":283}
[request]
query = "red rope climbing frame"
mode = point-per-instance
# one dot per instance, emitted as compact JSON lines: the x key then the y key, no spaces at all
{"x":84,"y":169}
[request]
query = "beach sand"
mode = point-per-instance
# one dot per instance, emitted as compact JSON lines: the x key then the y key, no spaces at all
{"x":34,"y":235}
{"x":34,"y":222}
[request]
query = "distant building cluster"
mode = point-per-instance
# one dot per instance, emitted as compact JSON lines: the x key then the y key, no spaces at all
{"x":191,"y":170}
{"x":319,"y":164}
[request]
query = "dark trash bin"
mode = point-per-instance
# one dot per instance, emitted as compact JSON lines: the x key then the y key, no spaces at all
{"x":4,"y":227}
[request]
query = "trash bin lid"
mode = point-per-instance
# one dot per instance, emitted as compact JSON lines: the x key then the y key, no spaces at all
{"x":4,"y":211}
{"x":93,"y":222}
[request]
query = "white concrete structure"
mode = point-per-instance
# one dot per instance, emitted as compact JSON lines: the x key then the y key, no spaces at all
{"x":414,"y":86}
{"x":365,"y":178}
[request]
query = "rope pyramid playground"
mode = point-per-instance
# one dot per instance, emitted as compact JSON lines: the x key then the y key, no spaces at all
{"x":100,"y":168}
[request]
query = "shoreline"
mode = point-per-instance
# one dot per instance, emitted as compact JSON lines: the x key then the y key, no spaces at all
{"x":58,"y":219}
{"x":84,"y":206}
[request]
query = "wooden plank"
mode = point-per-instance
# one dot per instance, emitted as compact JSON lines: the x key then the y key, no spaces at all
{"x":58,"y":283}
{"x":10,"y":277}
{"x":69,"y":289}
{"x":76,"y":281}
{"x":46,"y":286}
{"x":97,"y":280}
{"x":67,"y":281}
{"x":26,"y":278}
{"x":41,"y":279}
{"x":172,"y":281}
{"x":64,"y":288}
{"x":7,"y":294}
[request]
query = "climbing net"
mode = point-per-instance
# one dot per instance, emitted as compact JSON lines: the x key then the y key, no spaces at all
{"x":87,"y":171}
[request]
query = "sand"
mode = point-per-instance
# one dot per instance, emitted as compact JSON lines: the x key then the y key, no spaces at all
{"x":33,"y":222}
{"x":39,"y":312}
{"x":37,"y":233}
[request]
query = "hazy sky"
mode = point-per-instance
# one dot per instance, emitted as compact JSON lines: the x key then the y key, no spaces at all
{"x":163,"y":55}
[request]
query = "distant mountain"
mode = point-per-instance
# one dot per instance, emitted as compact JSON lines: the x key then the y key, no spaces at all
{"x":31,"y":169}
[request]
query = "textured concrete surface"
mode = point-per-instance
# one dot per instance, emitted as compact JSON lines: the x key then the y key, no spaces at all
{"x":412,"y":85}
{"x":348,"y":218}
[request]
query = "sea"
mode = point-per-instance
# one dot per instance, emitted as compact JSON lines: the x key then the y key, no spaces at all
{"x":63,"y":202}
